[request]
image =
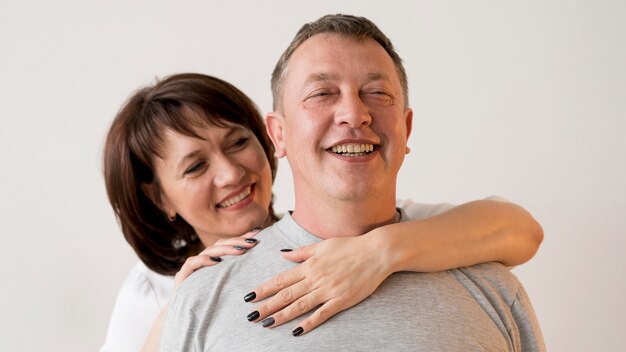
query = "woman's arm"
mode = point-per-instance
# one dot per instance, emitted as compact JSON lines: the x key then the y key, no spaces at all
{"x":473,"y":233}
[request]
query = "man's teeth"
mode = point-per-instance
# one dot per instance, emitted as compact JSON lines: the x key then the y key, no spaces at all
{"x":353,"y":149}
{"x":236,"y":199}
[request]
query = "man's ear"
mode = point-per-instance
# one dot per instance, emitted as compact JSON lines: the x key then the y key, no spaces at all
{"x":153,"y":192}
{"x":275,"y":125}
{"x":408,"y":118}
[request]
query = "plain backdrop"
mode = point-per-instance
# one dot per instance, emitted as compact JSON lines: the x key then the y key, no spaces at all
{"x":521,"y":99}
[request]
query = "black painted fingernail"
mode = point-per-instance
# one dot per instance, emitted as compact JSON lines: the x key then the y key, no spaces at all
{"x":253,"y":316}
{"x":249,"y":297}
{"x":239,"y":248}
{"x":286,"y":250}
{"x":297,"y":331}
{"x":251,"y":240}
{"x":267,"y":322}
{"x":216,"y":259}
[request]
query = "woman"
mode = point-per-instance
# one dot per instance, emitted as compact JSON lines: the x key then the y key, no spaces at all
{"x":189,"y":168}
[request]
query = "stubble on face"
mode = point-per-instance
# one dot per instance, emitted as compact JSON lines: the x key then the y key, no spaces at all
{"x":338,"y":90}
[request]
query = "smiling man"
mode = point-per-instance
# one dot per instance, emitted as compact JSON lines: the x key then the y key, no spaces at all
{"x":344,"y":98}
{"x":342,"y":119}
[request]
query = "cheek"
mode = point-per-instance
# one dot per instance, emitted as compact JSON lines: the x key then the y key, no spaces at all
{"x":192,"y":195}
{"x":307,"y":128}
{"x":255,"y":160}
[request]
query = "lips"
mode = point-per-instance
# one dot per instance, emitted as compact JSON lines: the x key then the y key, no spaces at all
{"x":236,"y":198}
{"x":352,"y":149}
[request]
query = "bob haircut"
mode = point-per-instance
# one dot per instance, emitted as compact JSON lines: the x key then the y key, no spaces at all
{"x":136,"y":137}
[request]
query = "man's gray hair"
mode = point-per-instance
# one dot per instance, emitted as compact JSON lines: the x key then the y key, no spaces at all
{"x":358,"y":27}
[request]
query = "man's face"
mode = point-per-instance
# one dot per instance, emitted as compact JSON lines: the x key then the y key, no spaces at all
{"x":343,"y":125}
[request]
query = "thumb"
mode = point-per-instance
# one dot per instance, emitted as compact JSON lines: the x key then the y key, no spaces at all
{"x":300,"y":254}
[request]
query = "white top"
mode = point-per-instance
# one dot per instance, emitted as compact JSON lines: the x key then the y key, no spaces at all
{"x":145,"y":293}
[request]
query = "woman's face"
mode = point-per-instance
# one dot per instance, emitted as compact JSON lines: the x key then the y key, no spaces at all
{"x":220,"y":184}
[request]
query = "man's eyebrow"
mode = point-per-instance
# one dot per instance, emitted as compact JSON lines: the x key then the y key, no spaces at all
{"x":320,"y":77}
{"x":377,"y":76}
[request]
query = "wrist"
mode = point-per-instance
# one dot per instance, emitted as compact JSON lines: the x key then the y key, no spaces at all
{"x":388,"y":251}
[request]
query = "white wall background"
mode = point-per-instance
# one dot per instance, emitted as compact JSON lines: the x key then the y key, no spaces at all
{"x":523,"y":99}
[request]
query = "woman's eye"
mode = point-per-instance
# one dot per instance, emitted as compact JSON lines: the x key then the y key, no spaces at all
{"x":240,"y":142}
{"x":194,"y":168}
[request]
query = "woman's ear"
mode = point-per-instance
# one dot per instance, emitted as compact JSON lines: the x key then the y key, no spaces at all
{"x":153,"y":192}
{"x":275,"y":125}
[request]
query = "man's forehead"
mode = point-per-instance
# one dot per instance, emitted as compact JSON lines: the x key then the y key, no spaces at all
{"x":316,"y":58}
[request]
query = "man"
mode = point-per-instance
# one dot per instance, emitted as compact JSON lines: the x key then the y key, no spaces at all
{"x":342,"y":119}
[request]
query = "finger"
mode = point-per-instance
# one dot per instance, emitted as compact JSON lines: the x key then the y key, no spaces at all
{"x":234,"y":248}
{"x":300,"y":254}
{"x":192,"y":264}
{"x":277,"y":283}
{"x":323,"y":313}
{"x":252,"y":233}
{"x":282,"y":299}
{"x":235,"y":241}
{"x":301,"y":306}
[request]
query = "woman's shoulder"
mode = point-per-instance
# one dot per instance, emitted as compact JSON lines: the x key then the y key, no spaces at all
{"x":143,"y":290}
{"x":145,"y":284}
{"x":142,"y":296}
{"x":418,"y":211}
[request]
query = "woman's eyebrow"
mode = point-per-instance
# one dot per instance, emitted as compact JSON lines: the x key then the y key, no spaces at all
{"x":191,"y":155}
{"x":230,"y":130}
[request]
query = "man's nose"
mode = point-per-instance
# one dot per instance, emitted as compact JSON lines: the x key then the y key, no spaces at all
{"x":227,"y":171}
{"x":352,"y":111}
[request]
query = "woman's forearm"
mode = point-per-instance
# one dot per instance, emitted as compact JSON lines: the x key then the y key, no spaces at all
{"x":472,"y":233}
{"x":152,"y":341}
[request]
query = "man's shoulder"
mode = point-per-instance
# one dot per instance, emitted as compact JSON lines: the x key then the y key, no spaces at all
{"x":197,"y":287}
{"x":247,"y":270}
{"x":492,"y":279}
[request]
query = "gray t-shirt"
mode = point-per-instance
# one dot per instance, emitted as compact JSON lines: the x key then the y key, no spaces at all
{"x":478,"y":308}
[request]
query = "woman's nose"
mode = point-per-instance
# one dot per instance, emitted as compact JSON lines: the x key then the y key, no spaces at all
{"x":227,"y":172}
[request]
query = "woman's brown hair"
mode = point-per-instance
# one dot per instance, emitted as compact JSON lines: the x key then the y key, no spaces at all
{"x":135,"y":138}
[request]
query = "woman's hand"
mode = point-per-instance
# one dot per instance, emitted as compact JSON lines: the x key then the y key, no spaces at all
{"x":337,"y":274}
{"x":212,"y":255}
{"x":208,"y":257}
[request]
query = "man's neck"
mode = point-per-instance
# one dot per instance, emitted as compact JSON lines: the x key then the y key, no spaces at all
{"x":339,"y":218}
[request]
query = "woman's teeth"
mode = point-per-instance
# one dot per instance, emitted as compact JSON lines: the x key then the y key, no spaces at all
{"x":236,"y":199}
{"x":353,"y":149}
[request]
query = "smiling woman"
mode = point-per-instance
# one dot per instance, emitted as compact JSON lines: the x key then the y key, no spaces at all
{"x":173,"y":154}
{"x":218,"y":179}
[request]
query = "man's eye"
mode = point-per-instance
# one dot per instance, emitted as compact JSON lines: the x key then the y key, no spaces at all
{"x":194,"y":168}
{"x":379,"y":97}
{"x":318,"y":94}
